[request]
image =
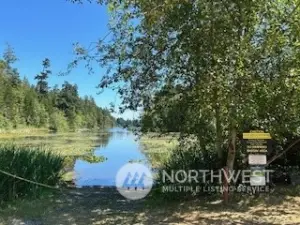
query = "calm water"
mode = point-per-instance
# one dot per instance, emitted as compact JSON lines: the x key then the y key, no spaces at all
{"x":121,"y":148}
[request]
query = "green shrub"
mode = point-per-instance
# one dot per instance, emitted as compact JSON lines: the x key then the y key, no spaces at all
{"x":35,"y":164}
{"x":58,"y":122}
{"x":190,"y":155}
{"x":187,"y":156}
{"x":5,"y":124}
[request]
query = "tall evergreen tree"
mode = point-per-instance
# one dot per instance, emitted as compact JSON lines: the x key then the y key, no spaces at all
{"x":42,"y":84}
{"x":10,"y":58}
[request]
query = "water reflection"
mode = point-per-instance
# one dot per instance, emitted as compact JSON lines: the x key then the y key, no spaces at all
{"x":103,"y":139}
{"x":122,"y":148}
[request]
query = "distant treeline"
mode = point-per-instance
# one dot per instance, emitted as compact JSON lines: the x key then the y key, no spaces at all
{"x":59,"y":109}
{"x":127,"y":123}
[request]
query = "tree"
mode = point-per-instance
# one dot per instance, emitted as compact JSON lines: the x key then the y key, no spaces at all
{"x":60,"y":109}
{"x":42,"y":84}
{"x":30,"y":108}
{"x":58,"y":122}
{"x":10,"y":58}
{"x":235,"y":59}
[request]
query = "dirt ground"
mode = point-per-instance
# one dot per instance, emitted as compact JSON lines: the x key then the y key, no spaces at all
{"x":106,"y":206}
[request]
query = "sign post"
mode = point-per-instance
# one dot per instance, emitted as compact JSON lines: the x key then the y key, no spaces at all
{"x":226,"y":186}
{"x":257,"y":149}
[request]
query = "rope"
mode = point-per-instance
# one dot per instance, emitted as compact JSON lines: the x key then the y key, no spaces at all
{"x":283,"y":152}
{"x":63,"y":191}
{"x":29,"y":181}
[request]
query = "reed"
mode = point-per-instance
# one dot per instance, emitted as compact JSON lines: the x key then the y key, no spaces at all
{"x":32,"y":163}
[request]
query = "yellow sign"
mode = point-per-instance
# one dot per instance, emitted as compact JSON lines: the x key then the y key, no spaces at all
{"x":256,"y":135}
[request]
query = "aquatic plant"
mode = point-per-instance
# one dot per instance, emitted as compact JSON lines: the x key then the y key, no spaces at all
{"x":30,"y":163}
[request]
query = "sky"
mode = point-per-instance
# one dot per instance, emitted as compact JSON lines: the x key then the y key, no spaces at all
{"x":39,"y":29}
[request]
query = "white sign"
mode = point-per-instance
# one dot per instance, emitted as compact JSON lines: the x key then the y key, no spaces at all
{"x":257,"y":159}
{"x":258,"y":176}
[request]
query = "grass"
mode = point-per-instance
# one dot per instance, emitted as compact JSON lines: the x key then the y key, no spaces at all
{"x":34,"y":164}
{"x":23,"y":132}
{"x":68,"y":145}
{"x":65,"y":144}
{"x":158,"y":148}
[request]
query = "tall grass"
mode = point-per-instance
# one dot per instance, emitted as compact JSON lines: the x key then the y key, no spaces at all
{"x":35,"y":164}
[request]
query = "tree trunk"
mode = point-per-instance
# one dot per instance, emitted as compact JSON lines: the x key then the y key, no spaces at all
{"x":219,"y":137}
{"x":231,"y":149}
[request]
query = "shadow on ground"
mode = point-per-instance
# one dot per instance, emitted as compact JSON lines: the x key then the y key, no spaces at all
{"x":105,"y":206}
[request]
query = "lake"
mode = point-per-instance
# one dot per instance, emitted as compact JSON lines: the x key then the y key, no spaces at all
{"x":121,"y":148}
{"x":118,"y":146}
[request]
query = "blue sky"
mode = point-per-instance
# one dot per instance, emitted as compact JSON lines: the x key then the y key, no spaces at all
{"x":37,"y":29}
